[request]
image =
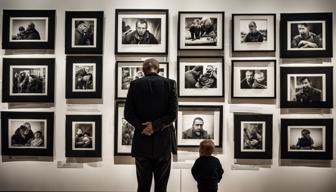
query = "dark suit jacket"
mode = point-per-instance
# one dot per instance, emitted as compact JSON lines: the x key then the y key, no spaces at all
{"x":152,"y":98}
{"x":245,"y":85}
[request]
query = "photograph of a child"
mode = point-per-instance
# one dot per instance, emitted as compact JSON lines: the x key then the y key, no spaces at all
{"x":200,"y":31}
{"x":29,"y":29}
{"x":84,"y":77}
{"x":253,"y":136}
{"x":27,"y":133}
{"x":83,"y":135}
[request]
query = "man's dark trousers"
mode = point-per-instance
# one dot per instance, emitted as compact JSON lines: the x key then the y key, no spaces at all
{"x":147,"y":167}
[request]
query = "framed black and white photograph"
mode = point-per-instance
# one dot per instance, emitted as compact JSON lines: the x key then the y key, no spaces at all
{"x":200,"y":76}
{"x":253,"y":79}
{"x":128,"y":71}
{"x":306,"y":87}
{"x":307,"y":139}
{"x":253,"y":136}
{"x":253,"y":32}
{"x":28,"y":80}
{"x":83,"y":136}
{"x":28,"y":29}
{"x":201,"y":31}
{"x":84,"y":32}
{"x":304,"y":35}
{"x":84,"y":77}
{"x":197,"y":122}
{"x":123,"y":132}
{"x":27,"y":133}
{"x":141,"y":31}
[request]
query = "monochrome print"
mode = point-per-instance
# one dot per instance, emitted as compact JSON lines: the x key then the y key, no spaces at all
{"x":253,"y":31}
{"x":197,"y":127}
{"x":132,"y":73}
{"x":127,"y":71}
{"x":28,"y":29}
{"x":196,"y":123}
{"x":307,"y":35}
{"x":306,"y":138}
{"x":127,"y":132}
{"x":200,"y":76}
{"x":129,"y":74}
{"x":124,"y":132}
{"x":200,"y":31}
{"x":83,"y":135}
{"x":84,"y":77}
{"x":27,"y":133}
{"x":28,"y":80}
{"x":84,"y":32}
{"x":253,"y":136}
{"x":253,"y":79}
{"x":306,"y":88}
{"x":141,"y":31}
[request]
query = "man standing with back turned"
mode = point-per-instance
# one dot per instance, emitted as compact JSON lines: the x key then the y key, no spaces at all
{"x":151,"y":107}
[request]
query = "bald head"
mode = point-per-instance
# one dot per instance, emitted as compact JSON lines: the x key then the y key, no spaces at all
{"x":150,"y":66}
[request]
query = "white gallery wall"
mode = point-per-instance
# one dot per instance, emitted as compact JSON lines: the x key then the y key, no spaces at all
{"x":109,"y":174}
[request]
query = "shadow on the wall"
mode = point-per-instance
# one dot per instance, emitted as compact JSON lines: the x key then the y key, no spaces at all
{"x":30,"y":105}
{"x":200,"y":99}
{"x":252,"y":101}
{"x":196,"y":150}
{"x":305,"y":163}
{"x":129,"y":160}
{"x":305,"y":111}
{"x":305,"y":60}
{"x":263,"y":163}
{"x":83,"y":159}
{"x":138,"y":57}
{"x":207,"y":53}
{"x":253,"y":54}
{"x":78,"y":162}
{"x":27,"y":158}
{"x":124,"y":160}
{"x":29,"y":51}
{"x":84,"y":101}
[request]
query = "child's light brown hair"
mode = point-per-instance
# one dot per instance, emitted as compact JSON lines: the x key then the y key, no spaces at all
{"x":207,"y":147}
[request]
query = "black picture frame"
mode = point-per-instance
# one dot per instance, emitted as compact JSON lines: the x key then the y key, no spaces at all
{"x":202,"y":108}
{"x":118,"y":94}
{"x":118,"y":130}
{"x":253,"y":96}
{"x":10,"y":62}
{"x":98,"y":63}
{"x":201,"y":14}
{"x":10,"y":151}
{"x":97,"y":145}
{"x":49,"y":15}
{"x":234,"y":46}
{"x":205,"y":59}
{"x":268,"y":145}
{"x":327,"y":71}
{"x":326,"y":155}
{"x":136,"y":51}
{"x":98,"y":16}
{"x":292,"y":17}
